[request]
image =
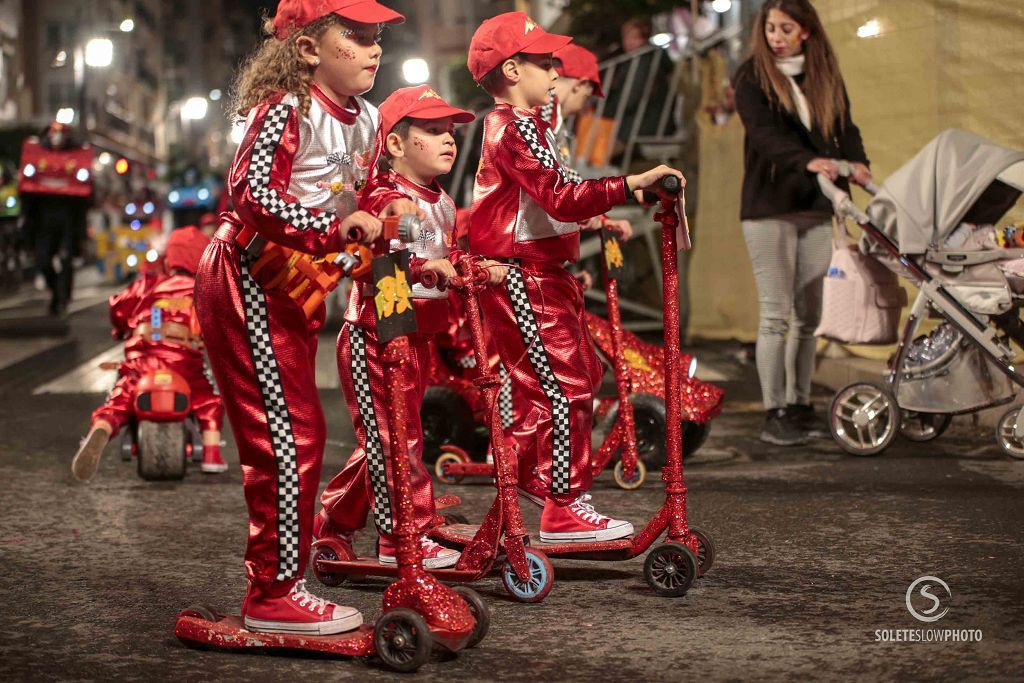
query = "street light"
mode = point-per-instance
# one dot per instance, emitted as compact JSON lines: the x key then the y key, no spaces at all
{"x":99,"y":52}
{"x":415,"y":71}
{"x":194,"y":109}
{"x":65,"y":115}
{"x":127,"y":26}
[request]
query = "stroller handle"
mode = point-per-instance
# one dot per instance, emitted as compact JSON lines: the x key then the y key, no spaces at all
{"x":841,"y":201}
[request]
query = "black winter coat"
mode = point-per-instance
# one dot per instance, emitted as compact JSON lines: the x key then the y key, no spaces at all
{"x":777,"y":149}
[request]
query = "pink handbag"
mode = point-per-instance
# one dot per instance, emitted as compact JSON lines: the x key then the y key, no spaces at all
{"x":862,"y":299}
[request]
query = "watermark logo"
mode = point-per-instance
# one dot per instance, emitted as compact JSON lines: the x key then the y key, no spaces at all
{"x":926,"y":587}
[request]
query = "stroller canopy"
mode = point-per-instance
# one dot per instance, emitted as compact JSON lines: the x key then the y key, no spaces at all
{"x":951,"y":180}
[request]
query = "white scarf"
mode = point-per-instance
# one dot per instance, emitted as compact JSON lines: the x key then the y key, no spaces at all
{"x":790,"y":67}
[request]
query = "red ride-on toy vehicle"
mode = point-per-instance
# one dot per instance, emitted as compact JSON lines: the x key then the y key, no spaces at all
{"x":161,"y":435}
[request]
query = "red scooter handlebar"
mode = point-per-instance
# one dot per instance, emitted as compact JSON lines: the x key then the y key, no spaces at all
{"x":405,"y":228}
{"x":669,"y":186}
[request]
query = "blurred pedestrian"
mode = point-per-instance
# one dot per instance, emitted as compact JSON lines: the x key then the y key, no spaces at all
{"x":796,"y":114}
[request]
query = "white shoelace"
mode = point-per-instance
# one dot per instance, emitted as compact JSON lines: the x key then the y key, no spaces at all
{"x":304,"y":598}
{"x":585,"y":510}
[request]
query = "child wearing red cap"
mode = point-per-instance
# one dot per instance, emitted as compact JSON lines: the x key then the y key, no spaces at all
{"x":526,"y":211}
{"x":156,"y":317}
{"x":305,"y":153}
{"x":415,"y":145}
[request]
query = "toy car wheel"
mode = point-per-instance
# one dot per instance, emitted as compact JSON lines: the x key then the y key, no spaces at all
{"x":204,"y":612}
{"x":402,"y":639}
{"x":195,"y":441}
{"x":705,"y":551}
{"x":448,"y":458}
{"x":694,"y":436}
{"x":864,"y":418}
{"x":649,"y":423}
{"x":331,"y":551}
{"x":481,"y":614}
{"x":1007,"y":435}
{"x":536,"y":588}
{"x":445,"y":418}
{"x":161,"y":450}
{"x":670,"y":569}
{"x":630,"y":483}
{"x":922,"y":427}
{"x":127,"y":439}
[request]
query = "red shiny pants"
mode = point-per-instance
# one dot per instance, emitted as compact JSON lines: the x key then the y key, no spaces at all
{"x":262,"y":349}
{"x":537,"y":324}
{"x":153,"y":356}
{"x":366,"y":482}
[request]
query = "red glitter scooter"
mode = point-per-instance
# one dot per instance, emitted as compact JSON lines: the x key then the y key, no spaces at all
{"x":687,"y":553}
{"x":418,"y":612}
{"x":502,"y":532}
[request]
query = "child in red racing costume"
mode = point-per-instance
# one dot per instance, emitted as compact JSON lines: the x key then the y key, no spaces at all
{"x":415,"y":145}
{"x":305,"y":152}
{"x":156,"y":316}
{"x":526,"y":211}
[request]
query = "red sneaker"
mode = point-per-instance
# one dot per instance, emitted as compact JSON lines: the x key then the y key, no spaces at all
{"x":435,"y":556}
{"x":299,"y":612}
{"x":324,"y":528}
{"x":212,"y":462}
{"x":579,"y":522}
{"x":533,"y":495}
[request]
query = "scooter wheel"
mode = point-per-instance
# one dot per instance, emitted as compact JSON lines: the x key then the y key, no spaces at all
{"x":705,"y":551}
{"x":204,"y":612}
{"x":447,"y":458}
{"x":402,"y":639}
{"x":536,"y":588}
{"x":331,"y":551}
{"x":624,"y":482}
{"x":481,"y":614}
{"x":670,"y":569}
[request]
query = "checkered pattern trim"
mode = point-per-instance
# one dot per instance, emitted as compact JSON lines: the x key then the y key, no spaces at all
{"x":282,"y":440}
{"x":547,"y":112}
{"x":468,"y":361}
{"x":261,"y":163}
{"x":505,"y":398}
{"x":375,"y":461}
{"x":540,"y":148}
{"x":561,"y":453}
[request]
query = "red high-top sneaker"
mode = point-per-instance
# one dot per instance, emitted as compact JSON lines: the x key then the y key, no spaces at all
{"x":213,"y":463}
{"x":435,"y":556}
{"x":324,"y":528}
{"x":298,"y":612}
{"x":579,"y":522}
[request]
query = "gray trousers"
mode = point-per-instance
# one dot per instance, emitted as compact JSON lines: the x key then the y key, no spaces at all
{"x":790,"y":254}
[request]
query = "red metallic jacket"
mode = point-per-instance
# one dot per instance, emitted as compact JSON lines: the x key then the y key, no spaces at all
{"x":524,"y":203}
{"x":151,"y":303}
{"x":436,"y":236}
{"x":294,"y":177}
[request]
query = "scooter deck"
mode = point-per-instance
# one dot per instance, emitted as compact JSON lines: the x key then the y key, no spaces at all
{"x":229,"y":632}
{"x":619,"y":549}
{"x":371,"y":566}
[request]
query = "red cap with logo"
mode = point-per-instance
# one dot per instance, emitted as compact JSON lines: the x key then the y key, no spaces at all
{"x":294,"y":14}
{"x":579,"y":62}
{"x":419,"y":102}
{"x":505,"y":36}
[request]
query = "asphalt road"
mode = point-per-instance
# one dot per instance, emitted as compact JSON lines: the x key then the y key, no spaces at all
{"x":816,"y":551}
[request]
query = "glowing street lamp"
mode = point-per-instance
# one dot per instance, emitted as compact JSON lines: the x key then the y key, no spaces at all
{"x":99,"y":52}
{"x":127,"y":26}
{"x":194,"y":109}
{"x":65,"y":115}
{"x":415,"y":71}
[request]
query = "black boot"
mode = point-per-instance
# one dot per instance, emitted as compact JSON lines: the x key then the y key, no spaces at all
{"x":805,"y":418}
{"x":780,"y":429}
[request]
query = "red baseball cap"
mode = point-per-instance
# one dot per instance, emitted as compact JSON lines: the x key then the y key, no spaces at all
{"x":505,"y":36}
{"x":185,"y":248}
{"x":294,"y":14}
{"x":579,"y":62}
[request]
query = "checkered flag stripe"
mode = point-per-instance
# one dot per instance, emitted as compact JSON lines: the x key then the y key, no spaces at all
{"x":505,"y":398}
{"x":561,"y":454}
{"x":261,"y":163}
{"x":540,"y":148}
{"x":282,"y":440}
{"x":375,"y":461}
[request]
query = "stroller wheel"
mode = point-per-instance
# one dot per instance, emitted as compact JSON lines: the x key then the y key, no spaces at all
{"x":864,"y":418}
{"x":1008,"y":436}
{"x":924,"y":426}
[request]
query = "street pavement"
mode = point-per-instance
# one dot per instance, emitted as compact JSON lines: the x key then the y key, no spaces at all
{"x":816,"y":552}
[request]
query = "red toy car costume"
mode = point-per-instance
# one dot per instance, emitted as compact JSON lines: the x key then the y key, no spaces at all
{"x":293,"y":182}
{"x":526,"y":211}
{"x":155,"y":314}
{"x":366,"y":480}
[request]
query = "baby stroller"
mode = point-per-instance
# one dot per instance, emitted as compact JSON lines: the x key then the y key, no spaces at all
{"x":958,"y":184}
